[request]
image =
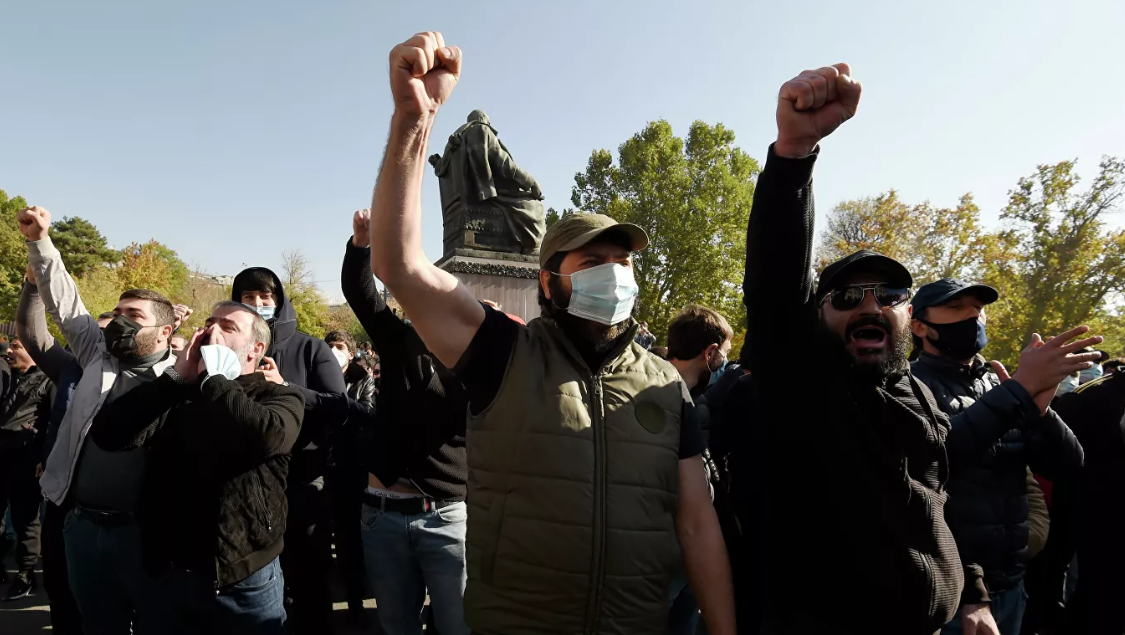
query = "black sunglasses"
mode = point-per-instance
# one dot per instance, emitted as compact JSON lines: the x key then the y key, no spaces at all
{"x":850,"y":297}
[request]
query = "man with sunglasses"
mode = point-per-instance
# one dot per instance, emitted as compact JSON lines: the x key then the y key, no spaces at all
{"x":842,"y":472}
{"x":999,"y":429}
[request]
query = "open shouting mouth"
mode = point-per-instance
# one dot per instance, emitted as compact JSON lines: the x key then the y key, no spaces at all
{"x":867,"y":340}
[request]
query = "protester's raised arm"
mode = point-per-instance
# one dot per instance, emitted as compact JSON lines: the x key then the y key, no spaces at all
{"x":423,"y":73}
{"x":57,"y":288}
{"x":31,"y":328}
{"x":779,"y":235}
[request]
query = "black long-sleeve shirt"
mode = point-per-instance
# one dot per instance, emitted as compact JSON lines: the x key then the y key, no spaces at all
{"x":423,"y":408}
{"x":843,"y":479}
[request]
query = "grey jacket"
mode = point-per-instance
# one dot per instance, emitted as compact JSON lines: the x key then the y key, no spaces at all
{"x":100,"y":369}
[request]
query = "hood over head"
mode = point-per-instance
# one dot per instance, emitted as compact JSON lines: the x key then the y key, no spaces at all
{"x":283,"y":325}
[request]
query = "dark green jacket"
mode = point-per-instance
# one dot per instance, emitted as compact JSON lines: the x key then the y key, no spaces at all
{"x":573,"y":486}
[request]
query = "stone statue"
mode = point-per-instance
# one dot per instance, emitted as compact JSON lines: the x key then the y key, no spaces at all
{"x":488,"y":203}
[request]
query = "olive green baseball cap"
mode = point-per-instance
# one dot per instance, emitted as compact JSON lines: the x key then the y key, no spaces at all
{"x":576,"y":230}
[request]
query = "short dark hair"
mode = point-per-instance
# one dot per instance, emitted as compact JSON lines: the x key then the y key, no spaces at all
{"x":161,"y":306}
{"x":108,"y":315}
{"x":694,"y":329}
{"x":659,"y":351}
{"x":340,"y":336}
{"x":258,"y":280}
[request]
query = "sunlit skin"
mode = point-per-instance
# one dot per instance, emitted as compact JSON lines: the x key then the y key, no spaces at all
{"x":958,"y":309}
{"x":177,"y":343}
{"x":258,"y":298}
{"x":865,"y":351}
{"x":236,"y":327}
{"x":140,"y":311}
{"x":18,"y":358}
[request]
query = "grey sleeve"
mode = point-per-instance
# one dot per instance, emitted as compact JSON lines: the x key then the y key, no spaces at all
{"x":31,"y":328}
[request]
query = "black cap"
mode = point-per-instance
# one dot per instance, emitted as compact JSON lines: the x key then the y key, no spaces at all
{"x":888,"y":269}
{"x":944,"y":290}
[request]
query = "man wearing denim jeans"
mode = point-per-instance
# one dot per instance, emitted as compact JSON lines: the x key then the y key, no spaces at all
{"x":100,"y":532}
{"x":414,"y":516}
{"x":219,"y":435}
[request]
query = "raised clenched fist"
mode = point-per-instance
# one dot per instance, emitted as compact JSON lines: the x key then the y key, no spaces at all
{"x":423,"y":73}
{"x":361,"y":228}
{"x":34,"y":223}
{"x":812,"y":105}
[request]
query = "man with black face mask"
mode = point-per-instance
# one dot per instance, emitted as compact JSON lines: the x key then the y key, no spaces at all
{"x":102,"y":538}
{"x":839,"y":476}
{"x":585,"y":485}
{"x":999,"y":429}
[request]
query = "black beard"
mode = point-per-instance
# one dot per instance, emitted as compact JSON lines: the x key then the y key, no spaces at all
{"x":897,"y":361}
{"x":592,"y":339}
{"x":146,"y":341}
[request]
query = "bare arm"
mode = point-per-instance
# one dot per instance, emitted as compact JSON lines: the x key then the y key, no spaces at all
{"x":705,"y":553}
{"x":31,"y":328}
{"x":445,"y":314}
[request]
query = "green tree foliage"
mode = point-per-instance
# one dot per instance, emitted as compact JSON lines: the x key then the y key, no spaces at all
{"x":932,"y":242}
{"x":1054,"y":259}
{"x":13,"y":255}
{"x":152,"y":266}
{"x":82,"y":246}
{"x":693,"y":197}
{"x":301,"y":292}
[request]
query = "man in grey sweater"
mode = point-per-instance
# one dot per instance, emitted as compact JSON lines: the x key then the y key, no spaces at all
{"x":102,"y":540}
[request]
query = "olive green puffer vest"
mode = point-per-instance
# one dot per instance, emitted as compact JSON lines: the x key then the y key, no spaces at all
{"x":573,"y":481}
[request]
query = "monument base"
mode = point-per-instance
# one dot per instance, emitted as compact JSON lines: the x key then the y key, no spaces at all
{"x":510,"y":280}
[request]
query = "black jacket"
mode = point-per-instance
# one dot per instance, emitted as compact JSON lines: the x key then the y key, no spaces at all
{"x":25,"y":409}
{"x":997,"y":432}
{"x":349,"y":437}
{"x":307,"y":364}
{"x":842,"y":480}
{"x":423,"y":407}
{"x":1085,"y":511}
{"x":214,"y":497}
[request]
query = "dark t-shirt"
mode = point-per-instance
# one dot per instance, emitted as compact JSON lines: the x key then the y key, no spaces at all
{"x":482,"y":371}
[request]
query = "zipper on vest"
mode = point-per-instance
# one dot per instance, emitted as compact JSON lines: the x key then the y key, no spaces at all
{"x":597,"y":410}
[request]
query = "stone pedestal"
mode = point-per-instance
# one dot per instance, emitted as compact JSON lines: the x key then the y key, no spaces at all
{"x":510,"y":280}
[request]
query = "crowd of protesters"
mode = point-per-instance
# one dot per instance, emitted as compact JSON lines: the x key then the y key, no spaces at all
{"x":564,"y":475}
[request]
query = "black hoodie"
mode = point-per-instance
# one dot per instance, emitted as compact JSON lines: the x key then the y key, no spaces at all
{"x":308,"y":364}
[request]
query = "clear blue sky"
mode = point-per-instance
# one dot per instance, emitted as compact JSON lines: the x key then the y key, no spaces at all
{"x":234,"y":130}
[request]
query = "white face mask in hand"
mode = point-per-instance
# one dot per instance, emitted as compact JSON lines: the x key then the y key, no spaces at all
{"x":220,"y":360}
{"x":603,"y":294}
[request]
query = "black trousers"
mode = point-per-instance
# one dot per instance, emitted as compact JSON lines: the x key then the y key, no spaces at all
{"x":65,"y":617}
{"x":346,"y":486}
{"x":20,"y":489}
{"x":307,"y":560}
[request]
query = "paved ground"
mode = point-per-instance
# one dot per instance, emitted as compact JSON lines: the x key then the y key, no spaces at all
{"x":31,"y":615}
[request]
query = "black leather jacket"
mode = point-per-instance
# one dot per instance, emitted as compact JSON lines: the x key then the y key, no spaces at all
{"x":996,"y":433}
{"x":25,"y":409}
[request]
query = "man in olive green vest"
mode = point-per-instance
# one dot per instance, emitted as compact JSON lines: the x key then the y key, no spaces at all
{"x":585,"y":483}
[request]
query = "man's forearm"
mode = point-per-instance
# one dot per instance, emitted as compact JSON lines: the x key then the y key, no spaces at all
{"x":396,"y":223}
{"x":708,"y":571}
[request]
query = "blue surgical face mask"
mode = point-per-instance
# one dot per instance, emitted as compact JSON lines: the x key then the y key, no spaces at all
{"x":1090,"y":374}
{"x":603,"y":294}
{"x":267,"y":312}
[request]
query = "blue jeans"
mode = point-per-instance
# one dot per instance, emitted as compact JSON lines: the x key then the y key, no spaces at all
{"x":107,"y":575}
{"x":1007,"y":610}
{"x":408,"y":554}
{"x":188,"y":604}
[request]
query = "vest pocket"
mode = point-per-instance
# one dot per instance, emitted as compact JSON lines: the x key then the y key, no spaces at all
{"x":495,"y":527}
